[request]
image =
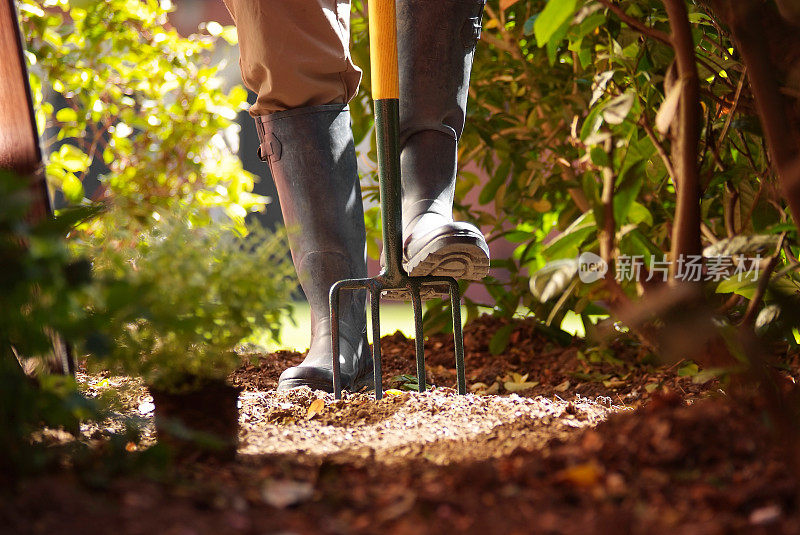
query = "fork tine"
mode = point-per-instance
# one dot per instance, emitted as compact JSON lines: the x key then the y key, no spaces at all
{"x":375,"y":306}
{"x":458,"y":336}
{"x":420,"y":342}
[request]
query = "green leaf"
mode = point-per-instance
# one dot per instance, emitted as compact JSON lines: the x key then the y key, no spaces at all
{"x":72,"y":188}
{"x":555,"y":13}
{"x":498,"y":179}
{"x":560,"y":336}
{"x":688,"y":370}
{"x":72,"y":158}
{"x":599,"y":157}
{"x":567,"y":243}
{"x":592,"y":123}
{"x":527,"y":28}
{"x":639,"y":214}
{"x":745,"y":287}
{"x":555,"y":41}
{"x":627,"y":191}
{"x":500,"y":339}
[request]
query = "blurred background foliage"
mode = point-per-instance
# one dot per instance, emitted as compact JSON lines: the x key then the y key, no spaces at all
{"x":565,"y":98}
{"x":571,"y":103}
{"x":142,"y":99}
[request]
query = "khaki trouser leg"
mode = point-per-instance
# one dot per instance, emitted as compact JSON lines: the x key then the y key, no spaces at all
{"x":295,"y":53}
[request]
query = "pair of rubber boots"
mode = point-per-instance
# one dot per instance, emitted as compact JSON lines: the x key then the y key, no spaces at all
{"x":312,"y":158}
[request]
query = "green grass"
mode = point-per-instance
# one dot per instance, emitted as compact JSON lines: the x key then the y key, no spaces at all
{"x":394,"y":317}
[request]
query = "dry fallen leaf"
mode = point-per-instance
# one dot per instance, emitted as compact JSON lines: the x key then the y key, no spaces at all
{"x":522,"y":385}
{"x":494,"y":389}
{"x":614,"y":383}
{"x":562,"y":387}
{"x":582,"y":475}
{"x":316,"y":406}
{"x":505,"y":4}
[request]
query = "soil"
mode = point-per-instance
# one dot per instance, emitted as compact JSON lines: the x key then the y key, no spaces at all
{"x":552,"y":439}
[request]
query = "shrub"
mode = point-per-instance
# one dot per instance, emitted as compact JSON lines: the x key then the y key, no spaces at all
{"x":180,"y":297}
{"x":142,"y":99}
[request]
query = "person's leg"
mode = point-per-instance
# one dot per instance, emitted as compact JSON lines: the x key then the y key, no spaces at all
{"x":436,"y":44}
{"x":295,"y":56}
{"x":295,"y":53}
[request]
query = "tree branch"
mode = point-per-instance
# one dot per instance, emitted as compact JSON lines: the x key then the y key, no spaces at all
{"x":686,"y":229}
{"x":772,"y":109}
{"x":662,"y":152}
{"x":638,"y":25}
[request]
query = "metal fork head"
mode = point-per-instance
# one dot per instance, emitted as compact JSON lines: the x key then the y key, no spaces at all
{"x":413,"y":285}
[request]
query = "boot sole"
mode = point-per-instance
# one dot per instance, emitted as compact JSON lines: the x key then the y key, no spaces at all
{"x":460,"y":257}
{"x":448,"y":256}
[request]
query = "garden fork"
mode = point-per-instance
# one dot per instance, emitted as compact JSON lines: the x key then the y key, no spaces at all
{"x":386,"y":93}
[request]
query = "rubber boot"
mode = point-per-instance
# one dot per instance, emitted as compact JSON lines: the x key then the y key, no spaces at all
{"x":436,"y":44}
{"x":312,"y":159}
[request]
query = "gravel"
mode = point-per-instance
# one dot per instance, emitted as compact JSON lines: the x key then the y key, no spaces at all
{"x":439,"y":425}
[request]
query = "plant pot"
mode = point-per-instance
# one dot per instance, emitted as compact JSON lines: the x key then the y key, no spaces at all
{"x":198,"y":424}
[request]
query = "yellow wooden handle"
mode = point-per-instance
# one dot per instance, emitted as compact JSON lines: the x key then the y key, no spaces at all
{"x":383,"y":49}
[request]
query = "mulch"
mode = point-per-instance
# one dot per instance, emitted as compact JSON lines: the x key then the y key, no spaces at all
{"x":691,"y":459}
{"x":624,"y":370}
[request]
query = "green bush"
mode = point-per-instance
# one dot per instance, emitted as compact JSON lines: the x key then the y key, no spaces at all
{"x":572,"y":117}
{"x":179,"y":297}
{"x":141,"y":98}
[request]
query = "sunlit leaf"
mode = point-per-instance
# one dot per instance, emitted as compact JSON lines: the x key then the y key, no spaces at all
{"x":555,"y":13}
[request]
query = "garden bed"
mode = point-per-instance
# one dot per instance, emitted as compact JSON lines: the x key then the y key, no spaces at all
{"x":596,"y":456}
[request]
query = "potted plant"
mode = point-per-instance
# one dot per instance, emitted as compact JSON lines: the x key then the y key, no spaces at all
{"x":192,"y":290}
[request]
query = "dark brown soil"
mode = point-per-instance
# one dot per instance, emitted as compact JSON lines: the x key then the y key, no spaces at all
{"x":689,"y":460}
{"x":624,"y":371}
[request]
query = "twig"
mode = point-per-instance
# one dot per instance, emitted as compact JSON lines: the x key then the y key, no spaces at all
{"x":609,"y":225}
{"x":763,"y":283}
{"x":731,"y":302}
{"x":662,"y":152}
{"x":715,"y":69}
{"x":708,"y":233}
{"x":732,"y":111}
{"x":730,"y":207}
{"x":636,"y":24}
